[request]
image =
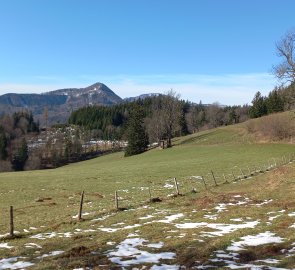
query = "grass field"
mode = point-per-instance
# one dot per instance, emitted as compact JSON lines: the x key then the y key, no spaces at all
{"x":194,"y":230}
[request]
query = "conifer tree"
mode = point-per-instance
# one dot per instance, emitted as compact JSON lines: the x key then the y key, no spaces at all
{"x":274,"y":102}
{"x":20,"y":157}
{"x":135,"y":132}
{"x":258,"y":108}
{"x":3,"y":145}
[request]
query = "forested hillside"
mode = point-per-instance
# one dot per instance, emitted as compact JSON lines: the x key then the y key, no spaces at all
{"x":163,"y":114}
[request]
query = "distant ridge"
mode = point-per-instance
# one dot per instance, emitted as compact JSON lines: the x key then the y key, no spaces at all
{"x":143,"y":96}
{"x":60,"y":103}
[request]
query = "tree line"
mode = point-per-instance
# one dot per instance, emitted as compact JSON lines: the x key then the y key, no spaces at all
{"x":13,"y":144}
{"x":278,"y":100}
{"x":162,"y":117}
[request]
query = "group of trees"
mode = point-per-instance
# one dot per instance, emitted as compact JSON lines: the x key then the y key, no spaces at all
{"x":161,"y":117}
{"x":13,"y":145}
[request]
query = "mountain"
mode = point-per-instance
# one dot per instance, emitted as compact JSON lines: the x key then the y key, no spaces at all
{"x":130,"y":99}
{"x":60,"y":103}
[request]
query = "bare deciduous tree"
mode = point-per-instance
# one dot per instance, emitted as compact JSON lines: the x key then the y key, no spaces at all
{"x":285,"y":71}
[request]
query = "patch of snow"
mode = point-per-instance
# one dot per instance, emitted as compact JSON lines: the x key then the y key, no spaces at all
{"x":263,"y":203}
{"x":103,"y":217}
{"x":147,"y":217}
{"x":236,"y":219}
{"x":108,"y":229}
{"x":43,"y":236}
{"x":52,"y":253}
{"x":5,"y":245}
{"x":171,"y":218}
{"x":127,"y":253}
{"x":165,"y":267}
{"x":198,"y":177}
{"x":221,"y":229}
{"x":32,"y":245}
{"x":255,"y":240}
{"x":13,"y":263}
{"x":156,"y":245}
{"x":168,"y":186}
{"x":83,"y":214}
{"x":291,"y":214}
{"x":212,"y":217}
{"x":270,"y":261}
{"x":131,"y":226}
{"x":132,"y":235}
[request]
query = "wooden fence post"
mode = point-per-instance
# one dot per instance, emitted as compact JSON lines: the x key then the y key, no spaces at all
{"x":214,"y":178}
{"x":11,"y":225}
{"x":232,"y":172}
{"x":176,"y":186}
{"x":116,"y":200}
{"x":243,"y":174}
{"x":81,"y":206}
{"x":226,"y":182}
{"x":204,"y":182}
{"x":150,"y":194}
{"x":249,"y":171}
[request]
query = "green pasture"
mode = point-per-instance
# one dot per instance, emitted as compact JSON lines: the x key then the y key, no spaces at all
{"x":47,"y":200}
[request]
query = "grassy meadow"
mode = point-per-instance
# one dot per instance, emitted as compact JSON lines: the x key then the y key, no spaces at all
{"x":46,"y":201}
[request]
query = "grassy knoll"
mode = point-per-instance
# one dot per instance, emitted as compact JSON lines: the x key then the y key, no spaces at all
{"x":47,"y":200}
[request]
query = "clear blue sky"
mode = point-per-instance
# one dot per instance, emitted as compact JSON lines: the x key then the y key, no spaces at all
{"x":203,"y":49}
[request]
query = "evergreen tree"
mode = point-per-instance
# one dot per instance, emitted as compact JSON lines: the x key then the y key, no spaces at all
{"x":274,"y":102}
{"x":258,"y":108}
{"x":20,"y":157}
{"x":3,"y":145}
{"x":135,"y":132}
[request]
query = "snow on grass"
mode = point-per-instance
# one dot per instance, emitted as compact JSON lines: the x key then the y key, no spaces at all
{"x":221,"y":229}
{"x":131,"y":226}
{"x":50,"y":254}
{"x":270,"y":261}
{"x":212,"y":217}
{"x":169,"y":219}
{"x":32,"y":245}
{"x":263,"y":203}
{"x":223,"y":206}
{"x":127,"y":253}
{"x":5,"y":245}
{"x":291,"y":214}
{"x":255,"y":240}
{"x":236,"y":219}
{"x":13,"y":263}
{"x":103,"y":217}
{"x":169,"y":186}
{"x":147,"y":217}
{"x":109,"y":229}
{"x":43,"y":236}
{"x":165,"y":267}
{"x":197,"y":177}
{"x":83,"y":214}
{"x":273,"y":217}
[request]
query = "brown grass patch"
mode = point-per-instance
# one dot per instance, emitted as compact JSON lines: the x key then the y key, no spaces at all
{"x":79,"y":251}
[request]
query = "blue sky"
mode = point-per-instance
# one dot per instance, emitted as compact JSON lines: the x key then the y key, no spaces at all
{"x":205,"y":50}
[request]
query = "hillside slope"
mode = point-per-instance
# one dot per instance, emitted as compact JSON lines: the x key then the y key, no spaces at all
{"x":210,"y":227}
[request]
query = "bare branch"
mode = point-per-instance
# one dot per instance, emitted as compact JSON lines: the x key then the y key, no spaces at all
{"x":285,"y":71}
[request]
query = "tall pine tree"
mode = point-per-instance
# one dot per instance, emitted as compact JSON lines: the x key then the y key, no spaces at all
{"x":20,"y":157}
{"x":135,"y":132}
{"x":258,"y":108}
